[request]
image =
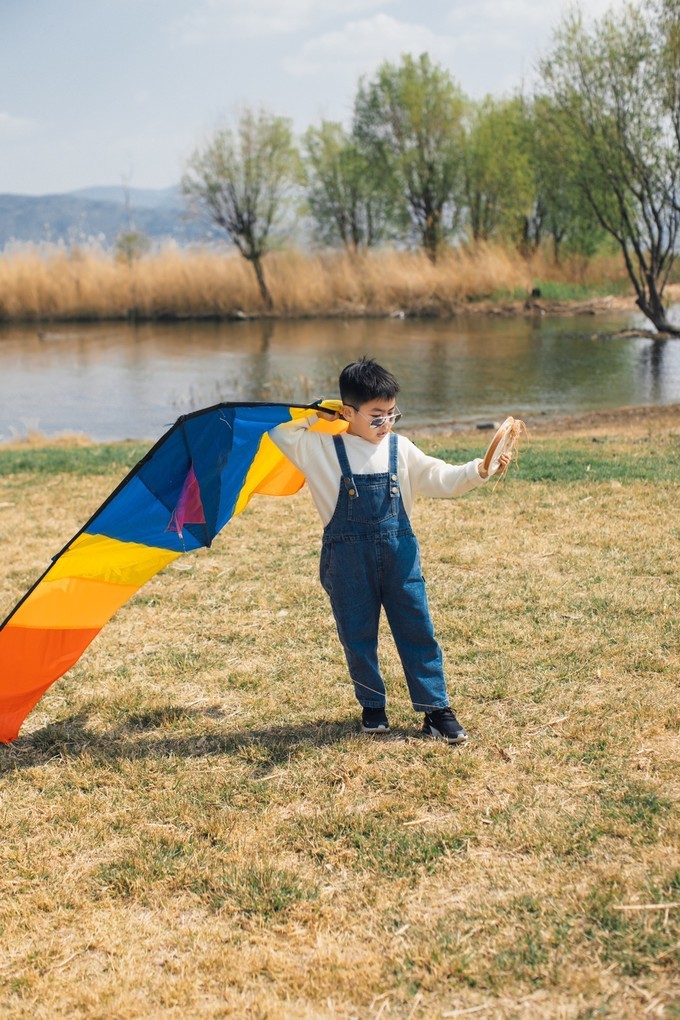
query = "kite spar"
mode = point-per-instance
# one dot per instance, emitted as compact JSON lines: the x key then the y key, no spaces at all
{"x":198,"y":476}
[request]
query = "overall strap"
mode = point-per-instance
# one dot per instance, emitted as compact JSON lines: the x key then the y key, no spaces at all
{"x":346,"y":470}
{"x":394,"y":463}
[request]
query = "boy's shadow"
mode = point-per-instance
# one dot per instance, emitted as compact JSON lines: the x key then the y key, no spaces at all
{"x":132,"y":739}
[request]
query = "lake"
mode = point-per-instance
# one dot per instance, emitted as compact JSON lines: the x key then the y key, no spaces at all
{"x":116,"y":381}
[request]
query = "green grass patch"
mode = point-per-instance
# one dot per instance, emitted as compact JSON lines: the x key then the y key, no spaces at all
{"x":373,"y":843}
{"x":554,"y":290}
{"x":579,"y":460}
{"x":636,"y":811}
{"x":169,"y":867}
{"x":100,"y":459}
{"x":551,"y":460}
{"x":631,"y":940}
{"x":145,"y":867}
{"x":253,"y":890}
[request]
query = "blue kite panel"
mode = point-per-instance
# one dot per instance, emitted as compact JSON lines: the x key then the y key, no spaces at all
{"x":249,"y":425}
{"x":135,"y":515}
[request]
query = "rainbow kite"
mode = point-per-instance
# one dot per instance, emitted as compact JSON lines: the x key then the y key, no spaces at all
{"x":198,"y":476}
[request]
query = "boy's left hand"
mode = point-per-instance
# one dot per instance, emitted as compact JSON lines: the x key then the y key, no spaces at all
{"x":503,"y":463}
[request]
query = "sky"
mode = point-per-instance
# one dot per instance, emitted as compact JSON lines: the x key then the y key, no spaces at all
{"x":96,"y":91}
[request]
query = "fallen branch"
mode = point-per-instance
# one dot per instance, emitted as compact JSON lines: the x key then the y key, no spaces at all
{"x":631,"y":334}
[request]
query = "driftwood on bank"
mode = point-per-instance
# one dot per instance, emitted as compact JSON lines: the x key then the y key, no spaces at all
{"x":631,"y":334}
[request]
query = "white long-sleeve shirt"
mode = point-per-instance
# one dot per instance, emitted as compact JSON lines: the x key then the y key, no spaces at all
{"x":314,"y":454}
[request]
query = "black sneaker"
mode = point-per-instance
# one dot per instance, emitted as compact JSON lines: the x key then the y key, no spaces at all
{"x":374,"y":720}
{"x":443,"y":725}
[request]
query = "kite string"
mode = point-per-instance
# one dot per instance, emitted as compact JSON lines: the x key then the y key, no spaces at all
{"x":518,"y":432}
{"x":357,"y":683}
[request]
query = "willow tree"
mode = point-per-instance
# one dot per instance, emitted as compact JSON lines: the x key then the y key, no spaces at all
{"x":346,"y":193}
{"x":409,"y":118}
{"x":615,"y":88}
{"x":499,"y":179}
{"x":240,"y":179}
{"x":561,"y":210}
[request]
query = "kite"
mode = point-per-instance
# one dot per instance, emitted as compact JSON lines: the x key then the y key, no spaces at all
{"x":198,"y":476}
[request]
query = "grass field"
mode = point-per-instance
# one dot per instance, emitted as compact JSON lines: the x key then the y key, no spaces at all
{"x":193,"y":827}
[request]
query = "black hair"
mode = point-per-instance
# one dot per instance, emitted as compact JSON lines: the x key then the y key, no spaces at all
{"x":366,"y":380}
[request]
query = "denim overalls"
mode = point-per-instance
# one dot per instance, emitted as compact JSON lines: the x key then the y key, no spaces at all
{"x":370,"y":557}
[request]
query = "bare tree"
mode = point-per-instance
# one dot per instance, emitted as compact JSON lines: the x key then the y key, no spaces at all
{"x":241,"y":179}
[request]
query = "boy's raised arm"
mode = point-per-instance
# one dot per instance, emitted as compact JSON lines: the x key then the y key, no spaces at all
{"x":292,"y":437}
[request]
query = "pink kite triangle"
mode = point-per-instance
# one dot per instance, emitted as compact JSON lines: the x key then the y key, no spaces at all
{"x":189,"y":509}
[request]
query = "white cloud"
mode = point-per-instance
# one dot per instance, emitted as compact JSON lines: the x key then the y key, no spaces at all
{"x":219,"y":19}
{"x":359,"y":46}
{"x":10,"y":125}
{"x":522,"y":15}
{"x":514,"y":24}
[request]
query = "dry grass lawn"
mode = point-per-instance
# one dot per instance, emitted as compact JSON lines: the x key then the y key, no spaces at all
{"x":193,"y":827}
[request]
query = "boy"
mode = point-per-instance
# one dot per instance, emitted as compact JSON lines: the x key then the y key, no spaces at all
{"x":363,"y":484}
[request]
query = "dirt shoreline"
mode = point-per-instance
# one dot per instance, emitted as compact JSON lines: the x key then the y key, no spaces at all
{"x":539,"y":306}
{"x":630,"y":422}
{"x":532,"y":306}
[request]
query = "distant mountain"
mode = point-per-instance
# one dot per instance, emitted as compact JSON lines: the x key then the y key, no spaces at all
{"x":140,"y":198}
{"x":97,"y":214}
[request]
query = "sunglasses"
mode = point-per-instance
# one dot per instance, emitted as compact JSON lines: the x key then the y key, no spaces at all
{"x":378,"y":421}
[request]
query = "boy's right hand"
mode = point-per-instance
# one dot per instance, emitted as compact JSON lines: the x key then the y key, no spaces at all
{"x":503,"y":464}
{"x":331,"y":410}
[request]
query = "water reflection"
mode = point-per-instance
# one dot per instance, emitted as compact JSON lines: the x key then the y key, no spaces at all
{"x":113,"y":381}
{"x":651,"y":360}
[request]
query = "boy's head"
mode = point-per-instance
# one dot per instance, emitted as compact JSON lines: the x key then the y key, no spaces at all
{"x":368,"y":392}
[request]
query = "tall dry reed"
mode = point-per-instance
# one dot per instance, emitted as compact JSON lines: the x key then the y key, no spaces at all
{"x":44,"y":283}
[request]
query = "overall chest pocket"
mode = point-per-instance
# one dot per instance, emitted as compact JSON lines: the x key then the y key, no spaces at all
{"x":375,"y":503}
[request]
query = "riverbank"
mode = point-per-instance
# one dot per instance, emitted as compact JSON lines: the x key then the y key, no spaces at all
{"x":46,"y":285}
{"x":192,"y":822}
{"x":623,"y":422}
